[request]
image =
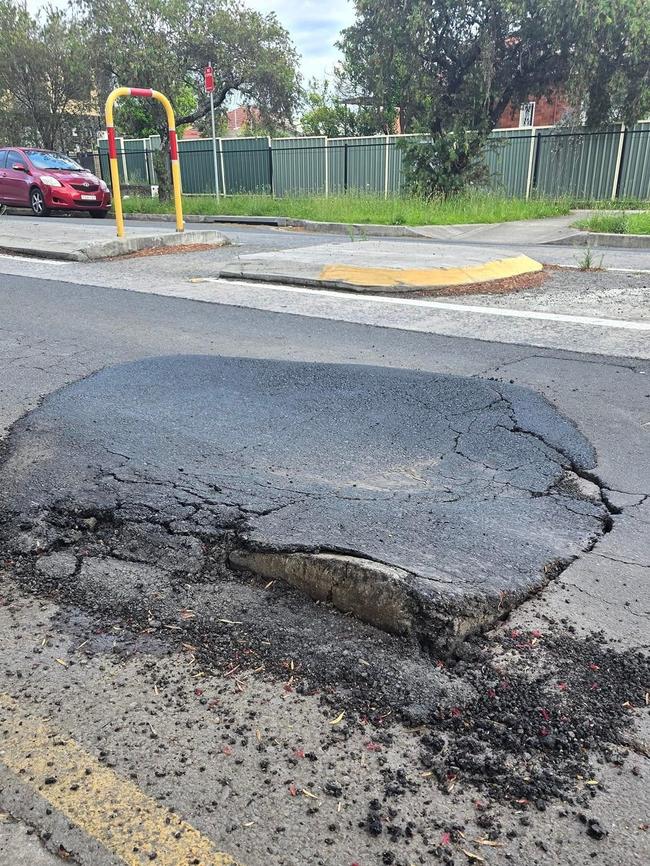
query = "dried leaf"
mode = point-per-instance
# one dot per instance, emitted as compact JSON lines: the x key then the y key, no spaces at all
{"x":61,"y":662}
{"x":338,"y":719}
{"x":309,"y":794}
{"x":472,"y":856}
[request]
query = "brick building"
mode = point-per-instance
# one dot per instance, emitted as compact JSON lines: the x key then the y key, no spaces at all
{"x":540,"y":111}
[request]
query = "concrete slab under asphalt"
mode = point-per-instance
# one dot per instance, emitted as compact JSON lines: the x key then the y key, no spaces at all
{"x":378,"y":266}
{"x":426,"y":504}
{"x":70,"y":240}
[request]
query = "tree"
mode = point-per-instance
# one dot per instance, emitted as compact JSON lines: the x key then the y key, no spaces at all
{"x":166,"y":44}
{"x":326,"y":113}
{"x":45,"y":78}
{"x":448,"y":67}
{"x":134,"y":118}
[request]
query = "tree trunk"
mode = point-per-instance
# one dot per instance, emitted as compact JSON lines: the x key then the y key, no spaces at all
{"x":163,"y":168}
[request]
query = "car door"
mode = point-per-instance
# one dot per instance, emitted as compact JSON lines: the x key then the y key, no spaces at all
{"x":3,"y":172}
{"x":15,"y":181}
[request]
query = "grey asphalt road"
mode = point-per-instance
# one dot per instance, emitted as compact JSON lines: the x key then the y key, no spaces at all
{"x":246,"y":741}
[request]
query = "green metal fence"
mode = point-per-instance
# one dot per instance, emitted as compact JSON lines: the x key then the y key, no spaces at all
{"x":602,"y":164}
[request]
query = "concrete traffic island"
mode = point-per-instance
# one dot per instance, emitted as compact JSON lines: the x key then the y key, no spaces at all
{"x":379,"y":267}
{"x":427,"y":505}
{"x":69,"y":240}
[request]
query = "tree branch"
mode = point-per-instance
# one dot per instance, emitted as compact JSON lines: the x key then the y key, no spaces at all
{"x":204,"y":109}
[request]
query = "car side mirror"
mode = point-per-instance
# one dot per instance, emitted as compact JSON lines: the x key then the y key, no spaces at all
{"x":18,"y":166}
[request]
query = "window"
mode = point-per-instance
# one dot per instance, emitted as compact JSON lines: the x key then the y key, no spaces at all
{"x":15,"y":158}
{"x":527,"y":114}
{"x":53,"y":161}
{"x":3,"y":158}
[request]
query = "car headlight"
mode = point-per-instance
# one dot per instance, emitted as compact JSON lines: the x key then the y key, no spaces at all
{"x":48,"y":180}
{"x":103,"y":186}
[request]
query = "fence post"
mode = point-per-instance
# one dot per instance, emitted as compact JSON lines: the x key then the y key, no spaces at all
{"x":223,"y":168}
{"x":345,"y":166}
{"x":327,"y":167}
{"x":619,"y":160}
{"x":270,"y":165}
{"x":531,"y":162}
{"x":386,"y":148}
{"x":151,"y":171}
{"x":125,"y":169}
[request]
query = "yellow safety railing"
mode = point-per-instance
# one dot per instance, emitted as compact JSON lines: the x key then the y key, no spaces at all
{"x":147,"y":93}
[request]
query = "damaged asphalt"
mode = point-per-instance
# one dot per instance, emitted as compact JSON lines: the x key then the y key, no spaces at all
{"x":284,"y":729}
{"x":426,"y":505}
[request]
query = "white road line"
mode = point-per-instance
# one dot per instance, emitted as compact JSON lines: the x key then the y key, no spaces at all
{"x":441,"y":305}
{"x":630,"y":270}
{"x":34,"y":261}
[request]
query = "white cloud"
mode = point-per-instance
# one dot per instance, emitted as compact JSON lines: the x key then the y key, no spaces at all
{"x":314,"y":26}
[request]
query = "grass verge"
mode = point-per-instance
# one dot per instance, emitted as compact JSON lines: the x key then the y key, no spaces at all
{"x":475,"y":208}
{"x":618,"y":223}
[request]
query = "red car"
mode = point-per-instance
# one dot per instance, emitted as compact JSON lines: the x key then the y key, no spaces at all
{"x":43,"y":181}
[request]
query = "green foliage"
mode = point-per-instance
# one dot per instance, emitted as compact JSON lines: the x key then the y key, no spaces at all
{"x":447,"y":66}
{"x":351,"y":208}
{"x":618,"y":223}
{"x":45,"y":77}
{"x":166,"y":44}
{"x":442,"y":165}
{"x":134,"y":118}
{"x":325,"y":113}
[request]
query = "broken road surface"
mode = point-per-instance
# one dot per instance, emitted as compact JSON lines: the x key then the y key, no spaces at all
{"x":427,"y":505}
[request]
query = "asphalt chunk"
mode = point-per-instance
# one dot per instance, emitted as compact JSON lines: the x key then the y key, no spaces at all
{"x":426,"y":505}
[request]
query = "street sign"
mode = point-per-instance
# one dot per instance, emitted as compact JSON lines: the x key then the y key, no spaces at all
{"x":208,"y":76}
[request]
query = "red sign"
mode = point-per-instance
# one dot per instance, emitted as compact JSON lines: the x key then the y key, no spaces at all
{"x":209,"y":79}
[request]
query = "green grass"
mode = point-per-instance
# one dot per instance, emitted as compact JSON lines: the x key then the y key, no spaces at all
{"x":618,"y":223}
{"x":351,"y":208}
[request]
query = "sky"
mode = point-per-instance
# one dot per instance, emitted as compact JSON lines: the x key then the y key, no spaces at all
{"x":313,"y":24}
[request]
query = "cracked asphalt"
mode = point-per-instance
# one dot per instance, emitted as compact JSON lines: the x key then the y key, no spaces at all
{"x":467,"y":489}
{"x":280,"y":729}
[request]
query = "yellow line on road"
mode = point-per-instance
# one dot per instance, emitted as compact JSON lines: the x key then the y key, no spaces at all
{"x":111,"y":810}
{"x":498,"y":269}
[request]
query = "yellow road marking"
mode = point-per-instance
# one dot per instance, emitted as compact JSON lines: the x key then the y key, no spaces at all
{"x":498,"y":269}
{"x":111,"y":810}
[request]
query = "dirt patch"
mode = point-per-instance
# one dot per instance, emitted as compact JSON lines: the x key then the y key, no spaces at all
{"x":494,"y":287}
{"x":170,"y":251}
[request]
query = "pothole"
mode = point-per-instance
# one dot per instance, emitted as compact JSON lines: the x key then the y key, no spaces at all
{"x":426,"y":505}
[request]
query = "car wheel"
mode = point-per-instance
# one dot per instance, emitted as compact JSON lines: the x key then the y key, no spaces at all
{"x":3,"y":209}
{"x":37,"y":203}
{"x":98,"y":214}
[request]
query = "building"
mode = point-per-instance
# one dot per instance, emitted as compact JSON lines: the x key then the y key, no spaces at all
{"x":540,"y":111}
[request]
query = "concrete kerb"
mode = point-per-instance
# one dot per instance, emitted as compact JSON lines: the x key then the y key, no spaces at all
{"x":606,"y":240}
{"x":369,"y":267}
{"x":124,"y":246}
{"x":360,"y":229}
{"x":114,"y":247}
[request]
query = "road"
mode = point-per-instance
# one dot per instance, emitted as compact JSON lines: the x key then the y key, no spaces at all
{"x":284,"y":731}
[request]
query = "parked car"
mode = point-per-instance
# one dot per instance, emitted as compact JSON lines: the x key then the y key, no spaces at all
{"x":44,"y":181}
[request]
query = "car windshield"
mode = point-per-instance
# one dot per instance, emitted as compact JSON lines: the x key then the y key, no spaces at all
{"x":52,"y":161}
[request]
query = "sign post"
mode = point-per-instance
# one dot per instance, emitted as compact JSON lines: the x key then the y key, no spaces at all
{"x":209,"y":86}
